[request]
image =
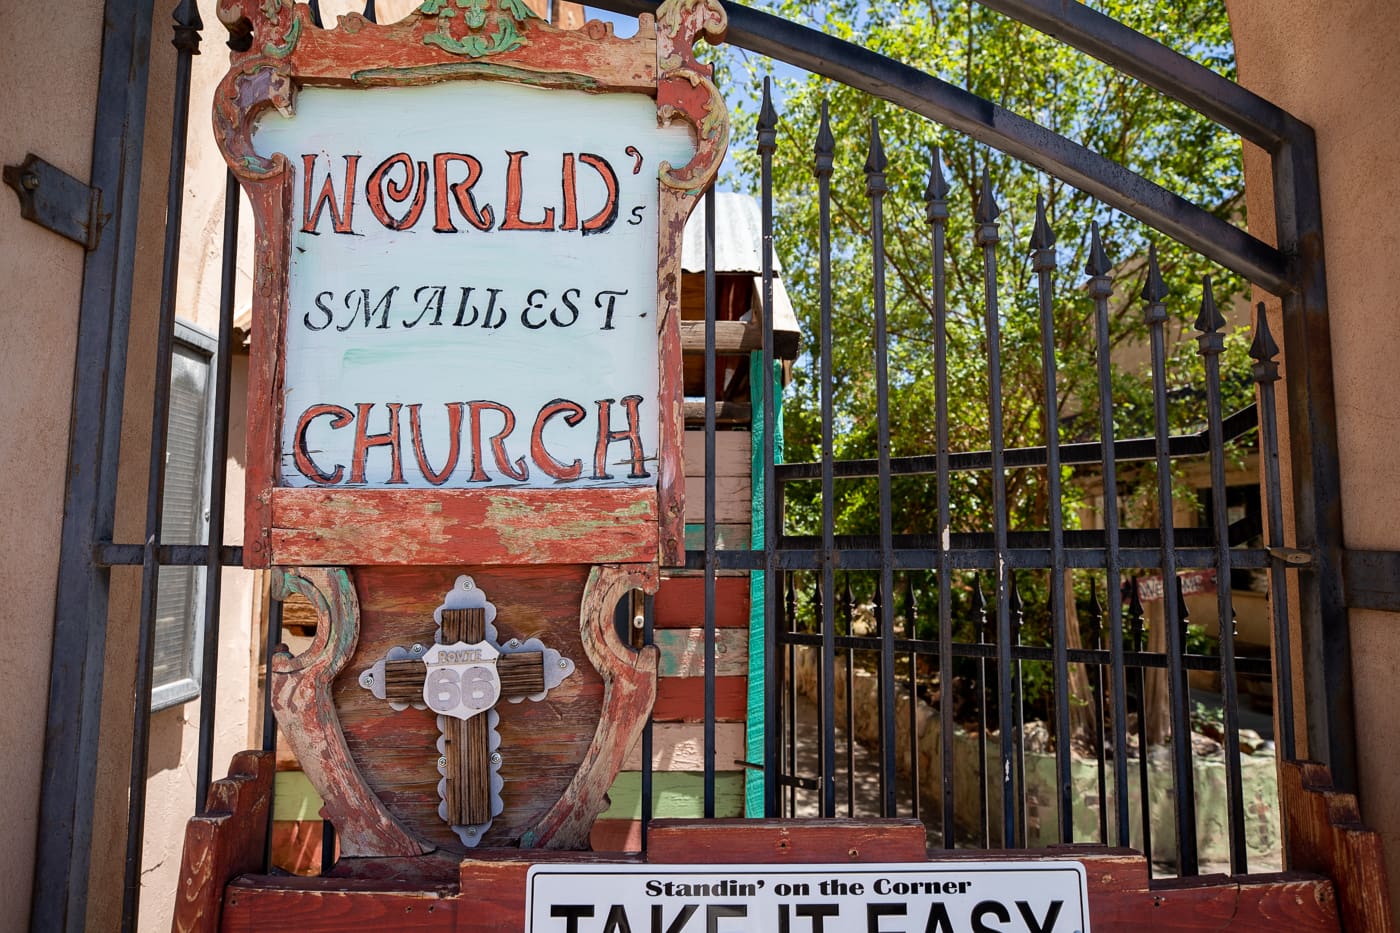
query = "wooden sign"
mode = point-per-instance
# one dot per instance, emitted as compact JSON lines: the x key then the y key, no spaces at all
{"x":1043,"y":896}
{"x":466,"y":307}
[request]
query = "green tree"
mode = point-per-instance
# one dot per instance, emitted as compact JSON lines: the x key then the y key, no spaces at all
{"x":1031,"y":74}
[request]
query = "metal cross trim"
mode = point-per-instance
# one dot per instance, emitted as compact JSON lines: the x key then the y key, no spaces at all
{"x":461,"y":677}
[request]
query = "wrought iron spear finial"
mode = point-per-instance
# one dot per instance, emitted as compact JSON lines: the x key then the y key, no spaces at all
{"x":188,"y":26}
{"x":987,"y":210}
{"x":1210,"y":319}
{"x":1042,"y":237}
{"x":315,"y":8}
{"x":1263,"y":349}
{"x":369,"y":13}
{"x":936,"y":192}
{"x":767,"y":121}
{"x":875,"y":162}
{"x":1100,"y":285}
{"x":825,"y":146}
{"x":1098,"y":266}
{"x":1210,"y":322}
{"x":1135,"y":615}
{"x":1096,"y":614}
{"x":1155,"y":292}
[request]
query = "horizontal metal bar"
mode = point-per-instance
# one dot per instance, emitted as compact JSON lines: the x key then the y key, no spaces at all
{"x":108,"y":554}
{"x":1237,"y":425}
{"x":1018,"y":137}
{"x":1147,"y":538}
{"x":1236,"y":108}
{"x":1372,"y":579}
{"x":924,"y":558}
{"x":1200,"y":662}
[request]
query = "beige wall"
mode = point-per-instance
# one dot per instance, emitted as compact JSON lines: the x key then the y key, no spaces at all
{"x":48,"y":82}
{"x":1337,"y":66}
{"x":47,"y":109}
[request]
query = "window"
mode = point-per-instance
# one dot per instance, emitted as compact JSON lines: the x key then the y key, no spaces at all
{"x":184,"y":518}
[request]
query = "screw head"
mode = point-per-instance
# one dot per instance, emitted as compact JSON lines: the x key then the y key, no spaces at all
{"x":471,"y":830}
{"x":513,"y":643}
{"x":495,"y":758}
{"x":563,"y":664}
{"x":29,"y":181}
{"x":417,"y":650}
{"x":442,"y":761}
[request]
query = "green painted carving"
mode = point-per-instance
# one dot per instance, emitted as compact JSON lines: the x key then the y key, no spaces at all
{"x":477,"y":42}
{"x":289,"y":42}
{"x":275,"y":12}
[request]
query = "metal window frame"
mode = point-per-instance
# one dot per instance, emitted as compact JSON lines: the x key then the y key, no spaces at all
{"x":184,"y":689}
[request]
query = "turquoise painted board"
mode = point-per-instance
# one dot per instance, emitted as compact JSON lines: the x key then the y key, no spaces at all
{"x":753,"y":784}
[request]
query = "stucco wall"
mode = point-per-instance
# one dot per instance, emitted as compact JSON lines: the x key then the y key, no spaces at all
{"x":48,"y":82}
{"x":47,"y":110}
{"x":1337,"y":66}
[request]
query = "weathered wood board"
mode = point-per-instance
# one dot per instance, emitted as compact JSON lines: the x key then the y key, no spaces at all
{"x":1120,"y":895}
{"x":680,"y":602}
{"x":675,"y":794}
{"x":683,"y":652}
{"x":681,"y":747}
{"x":397,"y":751}
{"x":682,"y":699}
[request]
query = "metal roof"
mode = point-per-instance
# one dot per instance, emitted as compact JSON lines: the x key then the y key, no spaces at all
{"x":738,"y":236}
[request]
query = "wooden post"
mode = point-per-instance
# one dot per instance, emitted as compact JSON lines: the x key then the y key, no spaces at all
{"x":468,"y":767}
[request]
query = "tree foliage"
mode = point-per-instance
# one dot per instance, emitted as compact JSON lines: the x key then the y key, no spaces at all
{"x":1035,"y":76}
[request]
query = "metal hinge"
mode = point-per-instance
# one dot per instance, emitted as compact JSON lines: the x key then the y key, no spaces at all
{"x":1292,"y":555}
{"x":57,"y":201}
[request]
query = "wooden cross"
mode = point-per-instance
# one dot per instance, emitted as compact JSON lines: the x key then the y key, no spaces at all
{"x":462,"y":677}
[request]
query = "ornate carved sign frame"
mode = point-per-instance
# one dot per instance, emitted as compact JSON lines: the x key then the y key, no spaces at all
{"x":399,"y":250}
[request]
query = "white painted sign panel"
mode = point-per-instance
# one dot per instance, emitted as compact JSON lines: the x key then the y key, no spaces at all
{"x":952,"y":897}
{"x":472,"y":286}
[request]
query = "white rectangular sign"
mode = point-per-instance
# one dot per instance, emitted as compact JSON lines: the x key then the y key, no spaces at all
{"x":949,"y":897}
{"x":472,"y":286}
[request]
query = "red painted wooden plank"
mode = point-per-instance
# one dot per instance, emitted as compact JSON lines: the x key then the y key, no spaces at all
{"x":1254,"y":906}
{"x":629,"y":692}
{"x":1325,"y":834}
{"x":296,"y":845}
{"x":766,"y":842}
{"x":680,"y":603}
{"x":260,"y":910}
{"x":463,"y":526}
{"x":682,"y":699}
{"x":404,"y":897}
{"x":616,"y":836}
{"x":227,"y":841}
